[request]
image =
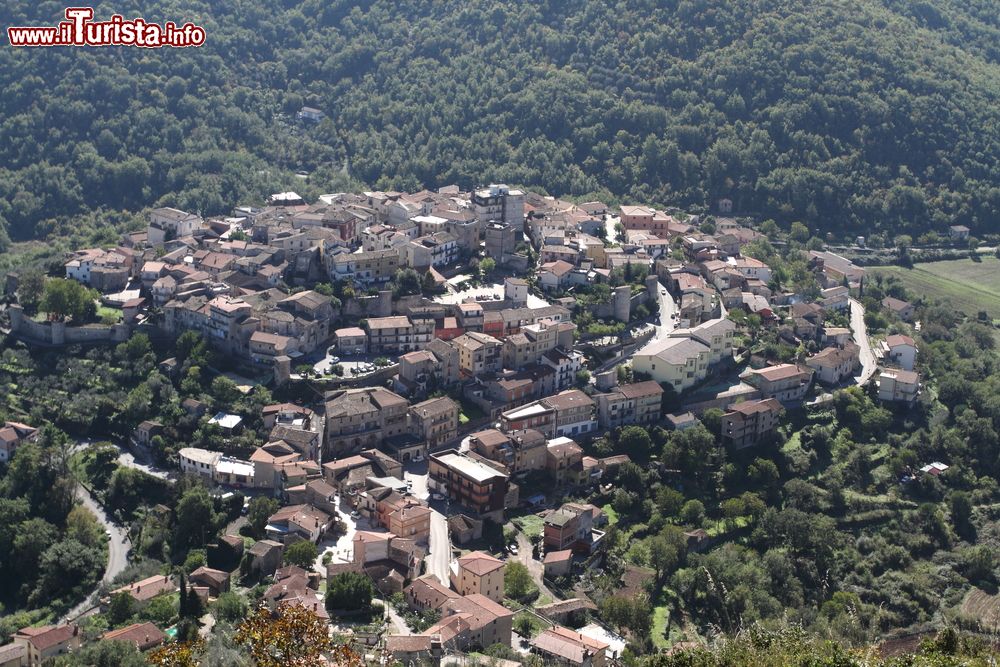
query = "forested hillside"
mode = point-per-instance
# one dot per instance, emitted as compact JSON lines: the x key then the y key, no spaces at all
{"x":843,"y":114}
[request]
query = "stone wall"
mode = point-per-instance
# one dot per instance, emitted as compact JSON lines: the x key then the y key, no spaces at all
{"x":58,"y":333}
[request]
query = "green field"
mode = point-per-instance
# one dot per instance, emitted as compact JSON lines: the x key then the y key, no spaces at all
{"x":963,"y":284}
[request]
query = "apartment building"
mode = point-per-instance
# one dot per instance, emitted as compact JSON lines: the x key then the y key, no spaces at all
{"x":167,"y":224}
{"x":377,"y":266}
{"x":750,"y":422}
{"x":478,"y":353}
{"x":575,"y":413}
{"x":785,"y":382}
{"x":434,"y":420}
{"x":520,"y":451}
{"x":635,"y":403}
{"x":398,"y":333}
{"x":469,"y":482}
{"x":680,"y":362}
{"x":536,"y":415}
{"x":573,"y":526}
{"x":358,"y":419}
{"x":898,"y":386}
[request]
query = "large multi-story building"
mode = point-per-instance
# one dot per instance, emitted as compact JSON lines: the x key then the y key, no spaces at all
{"x":750,"y":422}
{"x":535,"y":415}
{"x":785,"y":382}
{"x":398,"y":333}
{"x":469,"y":482}
{"x":680,"y":362}
{"x":896,"y":385}
{"x":575,"y":413}
{"x":437,"y":249}
{"x":499,"y":203}
{"x":434,"y":420}
{"x":501,"y":240}
{"x":478,"y":353}
{"x":167,"y":224}
{"x":572,"y":526}
{"x":533,"y":341}
{"x":362,"y":267}
{"x":478,"y":573}
{"x":357,"y":419}
{"x":685,"y":357}
{"x":834,"y":364}
{"x":520,"y":451}
{"x":636,"y":403}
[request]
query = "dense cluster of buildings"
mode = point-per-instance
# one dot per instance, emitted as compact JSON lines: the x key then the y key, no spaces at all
{"x":486,"y":390}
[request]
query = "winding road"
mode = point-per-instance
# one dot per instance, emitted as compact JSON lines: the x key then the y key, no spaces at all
{"x":118,"y":547}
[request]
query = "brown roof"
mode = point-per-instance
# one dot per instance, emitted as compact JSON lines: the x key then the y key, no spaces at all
{"x":479,"y":563}
{"x":751,"y":407}
{"x":567,"y":644}
{"x":263,"y":547}
{"x":143,"y":635}
{"x":558,"y":556}
{"x":569,"y":399}
{"x":47,"y":636}
{"x":217,"y":577}
{"x":899,"y":339}
{"x":430,"y":588}
{"x":148,"y":588}
{"x":434,"y":407}
{"x":779,"y":372}
{"x":407,"y":643}
{"x":640,"y":389}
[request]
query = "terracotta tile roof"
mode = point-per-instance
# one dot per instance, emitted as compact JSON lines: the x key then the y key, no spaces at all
{"x":46,"y":637}
{"x":479,"y":563}
{"x":148,"y":588}
{"x":143,"y":635}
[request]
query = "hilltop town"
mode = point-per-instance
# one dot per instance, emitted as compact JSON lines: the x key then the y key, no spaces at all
{"x":451,"y":402}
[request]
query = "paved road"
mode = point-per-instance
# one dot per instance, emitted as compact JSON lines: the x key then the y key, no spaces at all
{"x":342,"y":547}
{"x":860,"y":330}
{"x":118,"y":547}
{"x":668,"y":308}
{"x":438,"y":559}
{"x":129,"y":460}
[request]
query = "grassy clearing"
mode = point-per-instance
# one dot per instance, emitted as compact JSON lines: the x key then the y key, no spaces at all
{"x":661,"y":615}
{"x":612,"y":515}
{"x":527,"y":624}
{"x":530,"y":524}
{"x":963,"y":284}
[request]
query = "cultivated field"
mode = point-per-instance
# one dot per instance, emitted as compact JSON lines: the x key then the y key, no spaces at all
{"x":965,"y":285}
{"x":983,"y":607}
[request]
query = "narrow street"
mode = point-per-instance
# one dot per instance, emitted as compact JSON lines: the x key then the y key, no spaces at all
{"x":860,"y":330}
{"x":438,"y":558}
{"x":668,"y":308}
{"x":535,"y":567}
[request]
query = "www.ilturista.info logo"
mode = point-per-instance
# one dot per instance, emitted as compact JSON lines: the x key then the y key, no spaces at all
{"x":80,"y":30}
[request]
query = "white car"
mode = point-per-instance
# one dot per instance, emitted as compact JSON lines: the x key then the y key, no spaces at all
{"x":334,"y":360}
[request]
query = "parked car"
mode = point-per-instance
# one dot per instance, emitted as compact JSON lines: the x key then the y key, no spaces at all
{"x":437,"y":496}
{"x":512,"y":548}
{"x":334,"y":360}
{"x":355,"y":515}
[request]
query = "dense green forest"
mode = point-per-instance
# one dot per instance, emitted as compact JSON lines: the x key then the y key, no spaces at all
{"x":845,"y":115}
